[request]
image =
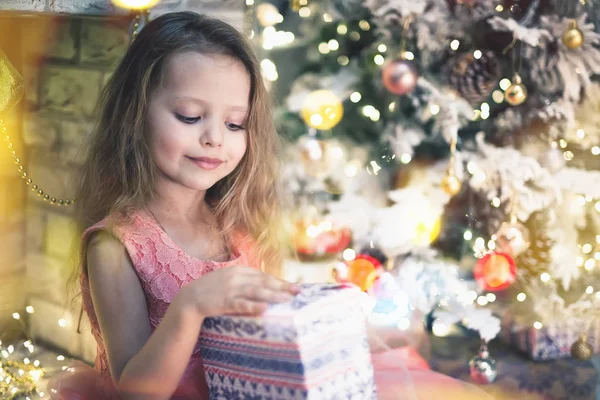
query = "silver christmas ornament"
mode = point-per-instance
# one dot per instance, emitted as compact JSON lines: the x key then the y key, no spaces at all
{"x":483,"y":367}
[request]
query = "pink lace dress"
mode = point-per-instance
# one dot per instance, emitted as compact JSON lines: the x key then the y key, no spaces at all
{"x":163,"y":268}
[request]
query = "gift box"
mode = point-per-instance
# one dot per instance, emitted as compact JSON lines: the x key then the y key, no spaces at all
{"x":313,"y":347}
{"x":551,"y":342}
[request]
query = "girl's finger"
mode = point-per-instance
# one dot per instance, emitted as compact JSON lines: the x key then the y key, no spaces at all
{"x":262,"y":294}
{"x":248,"y":307}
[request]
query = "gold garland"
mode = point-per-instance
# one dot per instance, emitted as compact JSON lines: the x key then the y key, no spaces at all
{"x":34,"y":186}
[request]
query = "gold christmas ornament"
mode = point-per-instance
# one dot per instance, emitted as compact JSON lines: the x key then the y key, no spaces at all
{"x":451,"y":184}
{"x":573,"y":36}
{"x":11,"y":84}
{"x":322,"y":109}
{"x":581,"y":349}
{"x":516,"y":93}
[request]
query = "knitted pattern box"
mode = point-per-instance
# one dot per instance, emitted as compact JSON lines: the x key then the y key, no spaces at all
{"x":314,"y":347}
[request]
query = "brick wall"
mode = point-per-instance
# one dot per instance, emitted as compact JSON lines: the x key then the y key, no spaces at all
{"x":65,"y":59}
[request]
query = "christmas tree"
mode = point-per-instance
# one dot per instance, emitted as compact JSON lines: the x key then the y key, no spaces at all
{"x":460,"y":134}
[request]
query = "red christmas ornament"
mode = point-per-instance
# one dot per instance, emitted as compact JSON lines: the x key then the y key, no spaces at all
{"x":320,"y":239}
{"x":495,"y":271}
{"x":362,"y":271}
{"x":400,"y":76}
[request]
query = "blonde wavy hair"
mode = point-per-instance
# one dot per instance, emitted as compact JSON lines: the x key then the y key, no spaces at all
{"x":118,"y":175}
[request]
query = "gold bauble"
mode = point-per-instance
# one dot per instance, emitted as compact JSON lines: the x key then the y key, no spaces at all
{"x":516,"y":93}
{"x":451,"y":184}
{"x":322,"y":110}
{"x":581,"y":349}
{"x":11,"y":84}
{"x":573,"y":37}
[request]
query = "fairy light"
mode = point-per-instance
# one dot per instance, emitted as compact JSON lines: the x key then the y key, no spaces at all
{"x":581,"y":200}
{"x":496,"y":202}
{"x":568,"y":155}
{"x":342,"y":29}
{"x":323,"y":48}
{"x":492,"y":245}
{"x":364,"y":25}
{"x":482,"y":301}
{"x":16,"y":316}
{"x":586,"y":248}
{"x":351,"y":170}
{"x":440,"y":329}
{"x":354,"y":36}
{"x":562,"y":143}
{"x":405,"y":158}
{"x":595,"y":150}
{"x":60,"y":358}
{"x":316,"y":119}
{"x":343,"y":60}
{"x":355,"y":97}
{"x":29,"y":309}
{"x":505,"y":83}
{"x":580,"y":133}
{"x":304,"y":12}
{"x":521,"y":297}
{"x":477,"y":54}
{"x":597,"y":255}
{"x":589,"y":265}
{"x":327,"y":18}
{"x":538,"y":325}
{"x":378,"y":59}
{"x":382,"y":48}
{"x":545,"y":277}
{"x":434,"y":109}
{"x":409,"y":55}
{"x":333,"y":45}
{"x":392,"y":106}
{"x":497,"y":96}
{"x":589,"y":290}
{"x":62,"y":323}
{"x":349,"y":254}
{"x":454,"y":44}
{"x":491,"y":297}
{"x":269,"y":70}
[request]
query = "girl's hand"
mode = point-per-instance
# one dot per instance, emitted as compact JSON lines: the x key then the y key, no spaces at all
{"x":237,"y":290}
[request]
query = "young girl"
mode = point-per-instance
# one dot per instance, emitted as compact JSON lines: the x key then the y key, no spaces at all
{"x":179,"y":205}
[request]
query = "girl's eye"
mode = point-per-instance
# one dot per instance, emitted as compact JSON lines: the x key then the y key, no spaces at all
{"x":234,"y":127}
{"x":187,"y":120}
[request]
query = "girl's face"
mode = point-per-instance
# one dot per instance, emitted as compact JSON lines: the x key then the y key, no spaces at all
{"x":197,"y":119}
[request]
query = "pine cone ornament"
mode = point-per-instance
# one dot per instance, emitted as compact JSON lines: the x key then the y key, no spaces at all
{"x":474,"y":78}
{"x":537,"y":257}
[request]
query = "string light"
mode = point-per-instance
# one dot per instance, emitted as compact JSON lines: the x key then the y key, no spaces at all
{"x":405,"y":158}
{"x":545,"y":277}
{"x":477,"y":54}
{"x":538,"y":325}
{"x":382,"y":48}
{"x":595,"y":150}
{"x":434,"y":109}
{"x":355,"y":97}
{"x":333,"y":45}
{"x":304,"y":12}
{"x":505,"y":83}
{"x":327,"y":18}
{"x":454,"y":44}
{"x":364,"y":25}
{"x":323,"y":48}
{"x":354,"y":36}
{"x":521,"y":297}
{"x":379,"y":60}
{"x":349,"y":254}
{"x":28,"y":181}
{"x":342,"y":29}
{"x":497,"y":96}
{"x":343,"y":60}
{"x":468,"y":235}
{"x":409,"y":55}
